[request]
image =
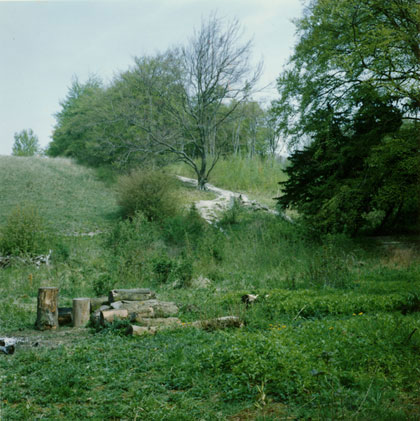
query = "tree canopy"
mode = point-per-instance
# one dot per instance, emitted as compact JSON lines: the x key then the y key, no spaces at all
{"x":345,"y":46}
{"x":26,"y":143}
{"x":351,"y":93}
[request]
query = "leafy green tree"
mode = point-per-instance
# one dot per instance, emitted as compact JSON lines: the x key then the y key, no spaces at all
{"x":350,"y":92}
{"x":358,"y":175}
{"x":346,"y":45}
{"x":251,"y":131}
{"x":77,"y":122}
{"x":26,"y":143}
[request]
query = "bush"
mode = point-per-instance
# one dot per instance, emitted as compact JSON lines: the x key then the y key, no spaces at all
{"x":132,"y":243}
{"x":185,"y":228}
{"x":24,"y":233}
{"x":170,"y":270}
{"x":151,"y":192}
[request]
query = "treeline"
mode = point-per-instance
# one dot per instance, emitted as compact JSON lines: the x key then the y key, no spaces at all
{"x":193,"y":103}
{"x":103,"y":124}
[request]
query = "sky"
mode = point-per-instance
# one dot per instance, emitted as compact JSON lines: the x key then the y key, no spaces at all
{"x":45,"y":44}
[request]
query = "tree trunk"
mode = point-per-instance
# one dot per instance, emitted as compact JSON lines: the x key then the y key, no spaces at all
{"x":65,"y":316}
{"x":47,"y":308}
{"x":137,"y":294}
{"x":81,"y":311}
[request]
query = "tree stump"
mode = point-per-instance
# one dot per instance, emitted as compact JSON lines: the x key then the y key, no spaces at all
{"x":47,"y":308}
{"x":81,"y":311}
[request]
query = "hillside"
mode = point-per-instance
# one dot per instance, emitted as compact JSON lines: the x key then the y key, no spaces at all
{"x":68,"y":196}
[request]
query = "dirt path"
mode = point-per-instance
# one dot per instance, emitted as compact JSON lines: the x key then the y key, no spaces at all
{"x":50,"y":338}
{"x":210,"y":209}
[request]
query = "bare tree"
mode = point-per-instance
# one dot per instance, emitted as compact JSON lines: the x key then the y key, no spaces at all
{"x":217,"y":70}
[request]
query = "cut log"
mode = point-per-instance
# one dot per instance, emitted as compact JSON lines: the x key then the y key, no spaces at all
{"x":81,"y":311}
{"x":117,"y":305}
{"x":97,"y":302}
{"x":159,"y":322}
{"x":137,"y":294}
{"x":140,"y":330}
{"x":47,"y":308}
{"x":160,"y":308}
{"x":163,"y":308}
{"x":134,"y":307}
{"x":219,"y":323}
{"x":140,"y":314}
{"x":95,"y":317}
{"x":111,"y":315}
{"x":65,"y":316}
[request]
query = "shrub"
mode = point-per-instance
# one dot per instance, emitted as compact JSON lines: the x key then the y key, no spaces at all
{"x":163,"y":267}
{"x":231,"y":215}
{"x":24,"y":233}
{"x":185,"y":228}
{"x":102,"y":284}
{"x":170,"y":270}
{"x":149,"y":191}
{"x":131,"y":245}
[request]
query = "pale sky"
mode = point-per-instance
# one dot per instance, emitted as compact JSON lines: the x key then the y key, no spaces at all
{"x":44,"y":44}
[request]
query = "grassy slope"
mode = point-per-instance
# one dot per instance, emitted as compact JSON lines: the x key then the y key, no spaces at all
{"x":68,"y":196}
{"x":307,"y":350}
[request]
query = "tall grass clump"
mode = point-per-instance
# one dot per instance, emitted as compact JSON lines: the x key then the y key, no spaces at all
{"x":24,"y":233}
{"x":151,"y":192}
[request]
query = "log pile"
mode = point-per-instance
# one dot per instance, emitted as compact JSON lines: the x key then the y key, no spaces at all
{"x":140,"y":307}
{"x":148,"y":315}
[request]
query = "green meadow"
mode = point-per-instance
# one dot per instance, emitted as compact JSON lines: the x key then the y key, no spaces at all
{"x":334,"y":333}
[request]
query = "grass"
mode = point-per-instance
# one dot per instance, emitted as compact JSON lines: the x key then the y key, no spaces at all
{"x":334,"y":333}
{"x":66,"y":195}
{"x":256,"y":177}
